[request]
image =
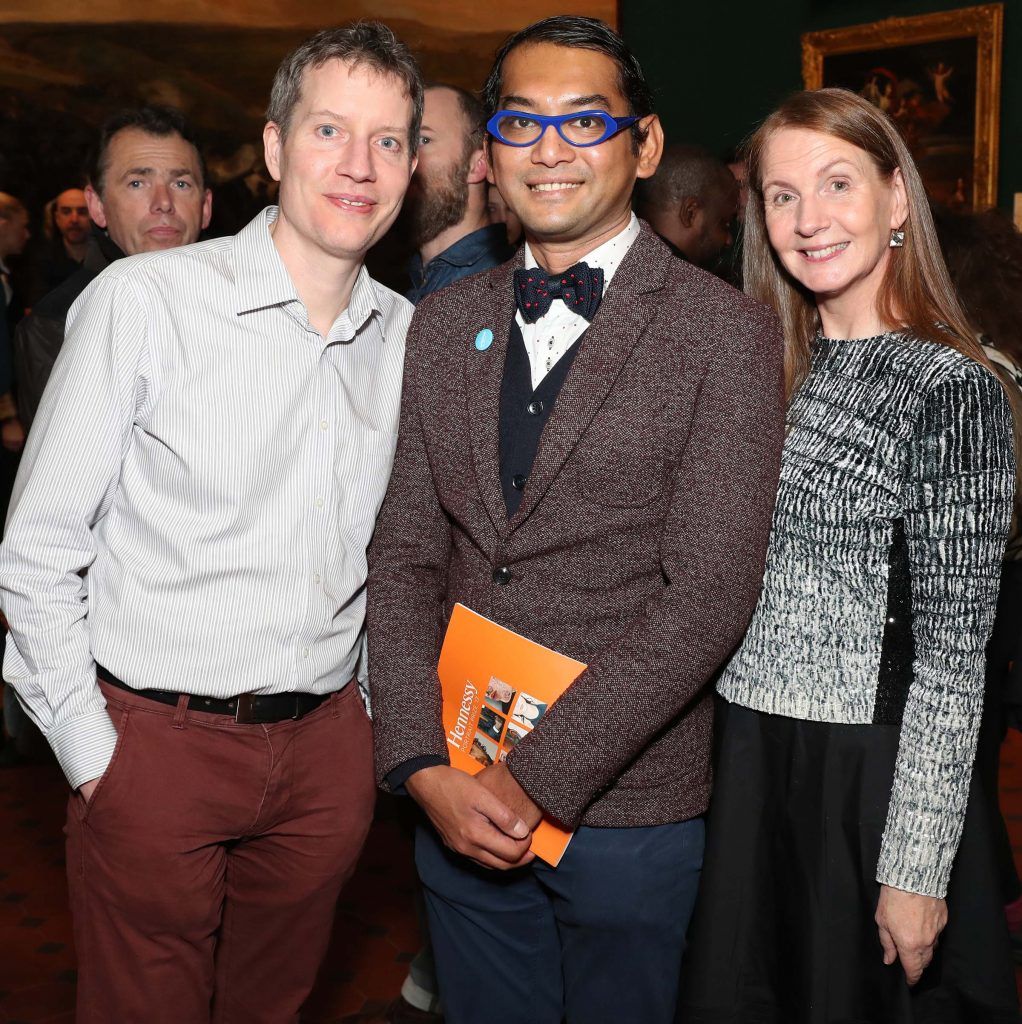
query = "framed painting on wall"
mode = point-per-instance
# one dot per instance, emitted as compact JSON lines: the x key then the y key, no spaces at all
{"x":939,"y":77}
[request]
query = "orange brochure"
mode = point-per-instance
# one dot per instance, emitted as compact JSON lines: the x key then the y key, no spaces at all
{"x":496,"y":686}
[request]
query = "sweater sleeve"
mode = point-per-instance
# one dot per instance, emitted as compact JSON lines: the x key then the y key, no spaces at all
{"x":958,"y":509}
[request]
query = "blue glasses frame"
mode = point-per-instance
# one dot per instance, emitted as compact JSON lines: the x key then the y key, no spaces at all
{"x":614,"y":125}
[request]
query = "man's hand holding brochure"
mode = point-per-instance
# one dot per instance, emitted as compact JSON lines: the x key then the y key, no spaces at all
{"x":496,"y":688}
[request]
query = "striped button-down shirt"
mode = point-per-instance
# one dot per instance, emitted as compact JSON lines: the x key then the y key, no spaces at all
{"x":199,"y":488}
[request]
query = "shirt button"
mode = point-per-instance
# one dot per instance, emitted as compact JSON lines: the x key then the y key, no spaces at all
{"x":319,"y":503}
{"x":502,"y":576}
{"x":535,"y":408}
{"x":315,"y":578}
{"x":518,"y":482}
{"x":305,"y":652}
{"x":323,"y":425}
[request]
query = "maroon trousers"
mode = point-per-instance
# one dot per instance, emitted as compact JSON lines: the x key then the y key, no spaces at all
{"x":205,"y":870}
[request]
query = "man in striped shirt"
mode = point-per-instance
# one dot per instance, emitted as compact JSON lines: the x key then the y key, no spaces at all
{"x":185,"y":561}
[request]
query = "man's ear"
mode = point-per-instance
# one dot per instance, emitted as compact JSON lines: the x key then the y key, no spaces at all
{"x":478,"y":167}
{"x":95,"y":205}
{"x":651,"y":149}
{"x":207,"y":208}
{"x":487,"y":143}
{"x":272,"y":143}
{"x":688,"y":210}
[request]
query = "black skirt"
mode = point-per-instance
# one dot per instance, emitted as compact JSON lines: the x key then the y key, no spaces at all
{"x":784,"y":931}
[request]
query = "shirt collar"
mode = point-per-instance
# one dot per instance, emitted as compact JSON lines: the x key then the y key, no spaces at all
{"x":474,"y":246}
{"x":362,"y":306}
{"x":607,"y":256}
{"x":465,"y":252}
{"x":261,"y":280}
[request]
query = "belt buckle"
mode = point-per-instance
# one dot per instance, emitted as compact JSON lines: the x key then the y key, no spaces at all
{"x":245,"y":712}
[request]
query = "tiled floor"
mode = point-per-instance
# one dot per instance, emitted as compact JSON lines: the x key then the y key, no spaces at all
{"x":374,"y":934}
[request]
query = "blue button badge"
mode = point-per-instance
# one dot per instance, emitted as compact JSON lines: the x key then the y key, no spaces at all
{"x":484,"y":339}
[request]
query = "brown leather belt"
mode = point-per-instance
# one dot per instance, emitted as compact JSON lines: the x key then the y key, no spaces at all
{"x":246,"y":708}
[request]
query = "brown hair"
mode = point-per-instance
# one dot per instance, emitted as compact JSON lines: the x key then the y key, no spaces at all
{"x":362,"y":44}
{"x":158,"y":121}
{"x":916,"y":294}
{"x":472,"y":111}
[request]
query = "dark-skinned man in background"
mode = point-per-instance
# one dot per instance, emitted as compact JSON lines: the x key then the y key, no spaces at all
{"x":691,"y":203}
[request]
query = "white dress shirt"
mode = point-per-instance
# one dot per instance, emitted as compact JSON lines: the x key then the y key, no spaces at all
{"x":216,"y":466}
{"x":559,"y":328}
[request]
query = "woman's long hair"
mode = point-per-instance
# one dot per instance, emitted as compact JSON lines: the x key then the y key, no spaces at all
{"x":916,"y":294}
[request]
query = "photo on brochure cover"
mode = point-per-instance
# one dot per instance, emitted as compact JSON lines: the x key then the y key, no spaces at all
{"x":499,"y":695}
{"x":491,"y":723}
{"x":484,"y":750}
{"x":513,"y":735}
{"x":528,"y":710}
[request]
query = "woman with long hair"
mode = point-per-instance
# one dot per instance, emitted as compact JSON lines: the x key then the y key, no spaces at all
{"x":845,"y":837}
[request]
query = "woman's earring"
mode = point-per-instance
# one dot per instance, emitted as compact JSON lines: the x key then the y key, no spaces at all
{"x":897,"y":239}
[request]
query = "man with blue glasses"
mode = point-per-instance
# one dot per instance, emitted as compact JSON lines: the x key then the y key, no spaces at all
{"x":588,"y":452}
{"x":586,"y":128}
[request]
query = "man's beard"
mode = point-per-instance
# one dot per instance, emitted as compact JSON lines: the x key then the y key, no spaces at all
{"x":435,"y":206}
{"x":75,"y":237}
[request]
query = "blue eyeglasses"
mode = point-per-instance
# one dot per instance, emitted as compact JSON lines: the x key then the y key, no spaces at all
{"x":585,"y":128}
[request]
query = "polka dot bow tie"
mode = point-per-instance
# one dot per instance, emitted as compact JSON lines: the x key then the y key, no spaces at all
{"x":579,"y":288}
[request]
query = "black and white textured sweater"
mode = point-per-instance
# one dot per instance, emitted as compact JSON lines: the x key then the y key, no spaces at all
{"x":881,"y":580}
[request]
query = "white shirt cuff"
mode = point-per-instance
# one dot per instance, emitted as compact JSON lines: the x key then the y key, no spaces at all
{"x":84,"y":746}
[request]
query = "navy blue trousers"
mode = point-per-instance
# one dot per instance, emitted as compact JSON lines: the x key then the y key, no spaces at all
{"x":597,"y":940}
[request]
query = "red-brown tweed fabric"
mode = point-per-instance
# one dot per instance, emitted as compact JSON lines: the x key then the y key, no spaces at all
{"x":638,"y":547}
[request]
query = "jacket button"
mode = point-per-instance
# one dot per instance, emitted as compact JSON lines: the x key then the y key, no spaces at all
{"x":502,"y":576}
{"x":535,"y":408}
{"x":518,"y":481}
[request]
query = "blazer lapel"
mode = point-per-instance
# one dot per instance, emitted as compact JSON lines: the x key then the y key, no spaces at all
{"x":629,"y":304}
{"x":484,"y":373}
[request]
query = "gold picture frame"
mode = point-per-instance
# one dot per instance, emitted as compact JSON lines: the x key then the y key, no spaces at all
{"x":939,"y":77}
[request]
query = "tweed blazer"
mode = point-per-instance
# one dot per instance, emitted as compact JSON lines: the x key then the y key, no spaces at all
{"x":638,"y":547}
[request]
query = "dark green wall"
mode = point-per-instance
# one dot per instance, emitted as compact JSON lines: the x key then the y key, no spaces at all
{"x":719,"y":66}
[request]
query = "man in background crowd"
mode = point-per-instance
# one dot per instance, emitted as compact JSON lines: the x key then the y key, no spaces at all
{"x":691,"y":203}
{"x":66,"y":224}
{"x":72,"y":221}
{"x":213,"y":447}
{"x":446,"y":208}
{"x":146,"y":191}
{"x":14,"y":236}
